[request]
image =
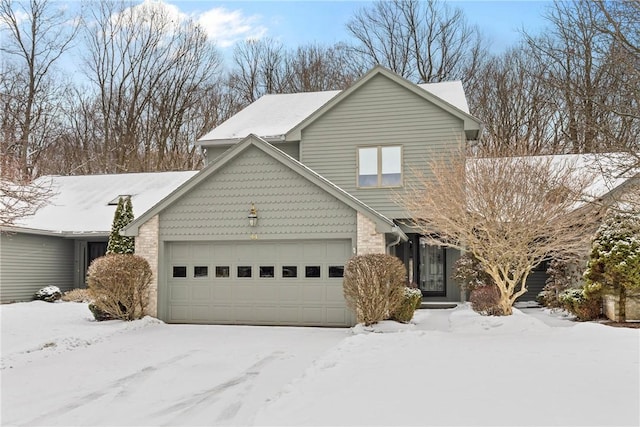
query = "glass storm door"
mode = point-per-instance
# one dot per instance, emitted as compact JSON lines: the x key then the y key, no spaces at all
{"x":431,"y":269}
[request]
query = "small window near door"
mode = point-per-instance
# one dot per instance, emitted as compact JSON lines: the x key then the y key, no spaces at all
{"x":289,"y":271}
{"x":336,"y":271}
{"x":222,"y":271}
{"x":267,"y":271}
{"x":244,"y":271}
{"x":179,"y":271}
{"x":200,"y":271}
{"x":312,"y":271}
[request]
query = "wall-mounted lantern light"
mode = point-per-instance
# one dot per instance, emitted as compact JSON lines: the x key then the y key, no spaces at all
{"x":253,"y":216}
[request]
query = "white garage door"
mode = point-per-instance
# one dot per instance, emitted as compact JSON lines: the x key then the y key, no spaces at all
{"x":257,"y":283}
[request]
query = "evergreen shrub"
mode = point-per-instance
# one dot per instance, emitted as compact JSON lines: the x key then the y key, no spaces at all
{"x":119,"y":285}
{"x":584,"y":303}
{"x":119,"y":244}
{"x":614,"y":263}
{"x":412,"y":298}
{"x":373,"y":286}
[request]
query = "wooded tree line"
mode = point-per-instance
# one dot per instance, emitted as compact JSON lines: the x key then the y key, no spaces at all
{"x":149,"y":84}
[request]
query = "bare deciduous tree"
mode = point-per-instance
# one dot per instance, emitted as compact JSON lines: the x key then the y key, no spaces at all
{"x":423,"y":41}
{"x":150,"y":69}
{"x":515,"y":105}
{"x":35,"y":34}
{"x":20,"y":197}
{"x":511,"y":213}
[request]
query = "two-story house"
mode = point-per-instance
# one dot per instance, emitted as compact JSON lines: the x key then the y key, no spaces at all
{"x":294,"y":186}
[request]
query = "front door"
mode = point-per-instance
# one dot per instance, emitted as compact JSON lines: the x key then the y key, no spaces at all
{"x":432,"y":267}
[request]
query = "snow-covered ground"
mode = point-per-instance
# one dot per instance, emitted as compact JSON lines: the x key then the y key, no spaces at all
{"x":449,"y":367}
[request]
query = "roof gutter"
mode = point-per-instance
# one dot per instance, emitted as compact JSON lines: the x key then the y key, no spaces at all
{"x":399,"y":236}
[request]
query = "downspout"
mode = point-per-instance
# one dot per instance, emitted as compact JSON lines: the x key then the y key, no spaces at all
{"x":397,"y":232}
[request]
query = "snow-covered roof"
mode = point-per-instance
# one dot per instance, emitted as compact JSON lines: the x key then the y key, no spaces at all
{"x":451,"y":92}
{"x":80,"y":204}
{"x":272,"y":116}
{"x":605,"y":172}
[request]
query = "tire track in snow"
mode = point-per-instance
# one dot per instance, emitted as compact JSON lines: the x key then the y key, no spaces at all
{"x":119,"y":384}
{"x":194,"y":403}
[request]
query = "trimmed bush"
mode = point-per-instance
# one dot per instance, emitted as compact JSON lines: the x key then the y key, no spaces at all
{"x":48,"y":294}
{"x":119,"y":285}
{"x":77,"y":295}
{"x":412,"y":298}
{"x":373,"y":286}
{"x":485,"y":299}
{"x":584,"y":303}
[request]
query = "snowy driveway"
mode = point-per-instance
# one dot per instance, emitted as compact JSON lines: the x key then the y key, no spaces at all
{"x":450,"y":367}
{"x":145,"y":372}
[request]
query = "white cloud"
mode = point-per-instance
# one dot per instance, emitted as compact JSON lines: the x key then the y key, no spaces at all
{"x":226,"y":27}
{"x":223,"y":26}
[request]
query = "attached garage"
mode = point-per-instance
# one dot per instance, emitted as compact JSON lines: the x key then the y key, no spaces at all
{"x":258,"y":283}
{"x":285,"y":266}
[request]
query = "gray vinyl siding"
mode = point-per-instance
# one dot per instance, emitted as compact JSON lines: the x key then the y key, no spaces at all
{"x":290,"y":148}
{"x":380,"y":112}
{"x":29,"y":262}
{"x":289,"y":206}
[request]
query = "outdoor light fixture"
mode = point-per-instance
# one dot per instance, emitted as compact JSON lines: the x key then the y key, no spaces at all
{"x":253,"y":216}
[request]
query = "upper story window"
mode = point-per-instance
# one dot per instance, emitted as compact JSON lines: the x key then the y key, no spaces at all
{"x":380,"y":166}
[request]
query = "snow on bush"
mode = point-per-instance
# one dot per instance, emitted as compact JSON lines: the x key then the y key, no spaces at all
{"x":411,"y":299}
{"x":48,"y":294}
{"x":614,"y":264}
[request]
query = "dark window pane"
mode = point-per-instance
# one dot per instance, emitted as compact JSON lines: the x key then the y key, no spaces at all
{"x":222,"y":271}
{"x":336,"y":271}
{"x":289,"y":271}
{"x":200,"y":271}
{"x":244,"y":271}
{"x":268,"y":271}
{"x":179,"y":271}
{"x":312,"y":271}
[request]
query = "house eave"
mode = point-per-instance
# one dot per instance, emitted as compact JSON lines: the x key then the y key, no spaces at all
{"x":54,"y":233}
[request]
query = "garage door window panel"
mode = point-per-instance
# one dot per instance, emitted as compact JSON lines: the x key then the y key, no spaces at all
{"x":179,"y":271}
{"x":289,"y":271}
{"x":267,"y":272}
{"x":200,"y":271}
{"x":336,"y":271}
{"x":244,"y":272}
{"x":222,"y":271}
{"x":312,"y":271}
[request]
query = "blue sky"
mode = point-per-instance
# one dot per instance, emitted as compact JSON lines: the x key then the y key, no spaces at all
{"x":300,"y":22}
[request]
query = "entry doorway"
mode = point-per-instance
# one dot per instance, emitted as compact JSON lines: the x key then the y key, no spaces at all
{"x":431,"y":269}
{"x":426,"y":265}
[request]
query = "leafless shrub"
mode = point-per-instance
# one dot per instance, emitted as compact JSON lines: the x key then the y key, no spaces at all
{"x":119,"y":285}
{"x":77,"y":295}
{"x":374,"y":286}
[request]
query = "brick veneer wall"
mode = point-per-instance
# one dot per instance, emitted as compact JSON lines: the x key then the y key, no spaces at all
{"x":369,"y":240}
{"x":147,"y":248}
